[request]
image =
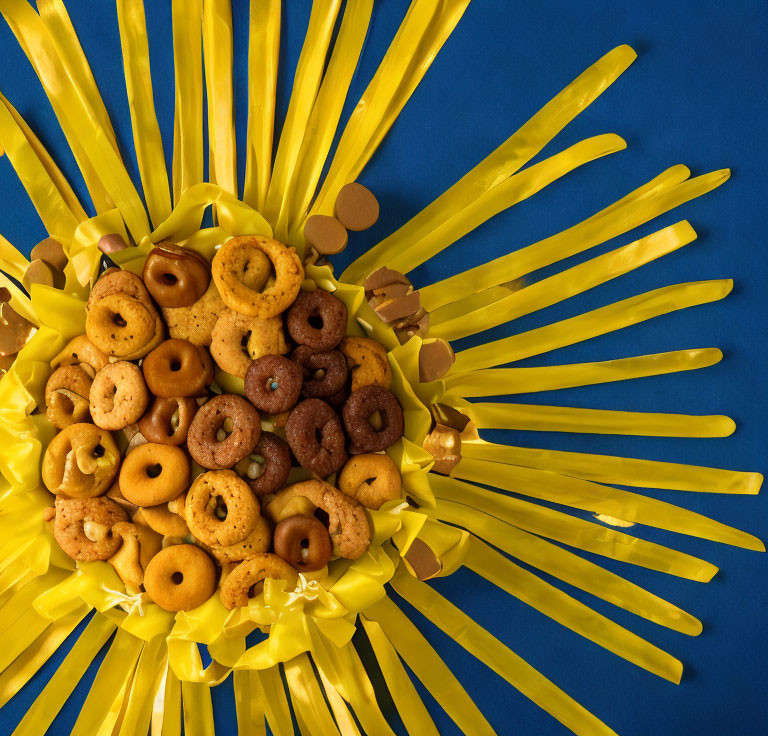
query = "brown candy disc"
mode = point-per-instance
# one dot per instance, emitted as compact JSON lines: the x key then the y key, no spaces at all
{"x":325,"y":234}
{"x":51,"y":251}
{"x":356,"y":207}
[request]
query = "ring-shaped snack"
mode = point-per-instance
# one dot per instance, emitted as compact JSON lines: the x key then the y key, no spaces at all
{"x":203,"y":441}
{"x":153,"y":474}
{"x":118,"y":395}
{"x":178,"y":368}
{"x":167,"y":421}
{"x":233,"y":260}
{"x":245,"y":581}
{"x":162,"y":520}
{"x":81,"y":351}
{"x":325,"y":374}
{"x":317,"y":319}
{"x":66,"y":396}
{"x":268,"y":466}
{"x":304,"y":542}
{"x":255,"y":543}
{"x":82,"y":527}
{"x":220,"y":508}
{"x":372,"y":479}
{"x":174,"y":276}
{"x":367,"y":362}
{"x":315,"y":434}
{"x":360,"y":407}
{"x":273,"y":383}
{"x":180,"y":578}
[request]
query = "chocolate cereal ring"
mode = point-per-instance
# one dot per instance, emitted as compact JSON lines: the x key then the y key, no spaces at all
{"x":267,"y":468}
{"x":245,"y":581}
{"x":273,"y":383}
{"x":236,"y":256}
{"x":357,"y":412}
{"x":325,"y":374}
{"x":174,"y":276}
{"x":180,"y":577}
{"x":118,"y":395}
{"x":315,"y":434}
{"x":220,"y":508}
{"x":167,"y":420}
{"x":255,"y":543}
{"x":82,"y":527}
{"x":81,"y":461}
{"x":66,"y":396}
{"x":372,"y":479}
{"x":178,"y":368}
{"x":317,"y":319}
{"x":153,"y":474}
{"x":207,"y":441}
{"x":304,"y":542}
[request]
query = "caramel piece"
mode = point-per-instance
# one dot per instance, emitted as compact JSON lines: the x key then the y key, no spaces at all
{"x":423,"y":560}
{"x":325,"y":234}
{"x":42,"y":272}
{"x":384,"y":277}
{"x":436,"y":357}
{"x":14,"y":330}
{"x":356,"y":207}
{"x":51,"y":251}
{"x":395,"y":309}
{"x":444,"y":444}
{"x":112,"y":243}
{"x":5,"y":295}
{"x":6,"y":361}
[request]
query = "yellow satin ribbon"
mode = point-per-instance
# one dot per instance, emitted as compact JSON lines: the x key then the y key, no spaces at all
{"x":249,"y":705}
{"x":149,"y":672}
{"x":198,"y":709}
{"x":269,"y":684}
{"x":166,"y":706}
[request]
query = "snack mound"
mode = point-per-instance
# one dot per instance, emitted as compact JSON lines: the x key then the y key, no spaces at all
{"x":199,"y":489}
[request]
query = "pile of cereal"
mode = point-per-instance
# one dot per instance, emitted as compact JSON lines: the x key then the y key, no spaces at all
{"x":182,"y":488}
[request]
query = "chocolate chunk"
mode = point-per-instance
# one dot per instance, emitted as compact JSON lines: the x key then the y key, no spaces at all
{"x":112,"y":243}
{"x":436,"y":357}
{"x":415,"y":324}
{"x":356,"y":207}
{"x":14,"y":330}
{"x":325,"y":234}
{"x":41,"y":272}
{"x":51,"y":251}
{"x":395,"y":309}
{"x":384,"y":277}
{"x":423,"y":560}
{"x":5,"y":295}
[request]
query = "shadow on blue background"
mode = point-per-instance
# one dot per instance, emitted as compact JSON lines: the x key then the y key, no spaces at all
{"x":696,"y":95}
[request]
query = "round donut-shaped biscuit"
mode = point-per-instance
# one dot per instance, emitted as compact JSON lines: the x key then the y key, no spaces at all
{"x":325,"y":374}
{"x":80,"y":350}
{"x":273,"y":383}
{"x":178,"y":368}
{"x":256,"y":542}
{"x":167,"y":421}
{"x":273,"y":458}
{"x":202,"y":442}
{"x":317,"y":319}
{"x":120,"y":326}
{"x":69,"y":527}
{"x":81,"y":461}
{"x":174,"y":276}
{"x":118,"y":395}
{"x":153,"y":474}
{"x":360,"y":406}
{"x":239,"y":508}
{"x":243,"y":583}
{"x":372,"y":479}
{"x":66,"y":396}
{"x":304,"y":542}
{"x":311,"y":419}
{"x":233,"y":260}
{"x":162,"y":520}
{"x":180,"y":578}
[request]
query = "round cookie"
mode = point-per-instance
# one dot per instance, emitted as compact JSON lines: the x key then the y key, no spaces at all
{"x":303,"y":542}
{"x":315,"y":434}
{"x":167,"y":421}
{"x":82,"y":527}
{"x":256,"y":542}
{"x":360,"y":406}
{"x":180,"y":578}
{"x":273,"y":383}
{"x":174,"y":276}
{"x":66,"y":396}
{"x":243,"y":582}
{"x":153,"y":474}
{"x":80,"y":350}
{"x":118,"y":395}
{"x":317,"y":319}
{"x":178,"y":368}
{"x":372,"y":479}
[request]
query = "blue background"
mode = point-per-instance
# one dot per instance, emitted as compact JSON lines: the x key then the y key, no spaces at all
{"x":696,"y":95}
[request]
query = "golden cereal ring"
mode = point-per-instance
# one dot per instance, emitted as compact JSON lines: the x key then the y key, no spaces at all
{"x":237,"y":256}
{"x":81,"y":461}
{"x":66,"y":396}
{"x":153,"y":474}
{"x":83,"y":527}
{"x":139,"y":545}
{"x":80,"y":350}
{"x":367,"y":362}
{"x":372,"y":479}
{"x":256,"y":542}
{"x":123,"y":327}
{"x":238,"y":340}
{"x":118,"y":396}
{"x":162,"y":520}
{"x":347,"y":522}
{"x":195,"y":323}
{"x":243,"y":582}
{"x":180,"y":578}
{"x":240,"y":508}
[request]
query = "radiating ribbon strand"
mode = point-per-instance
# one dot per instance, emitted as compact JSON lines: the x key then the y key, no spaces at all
{"x":597,"y":322}
{"x":269,"y":682}
{"x":198,"y":709}
{"x":146,"y":131}
{"x":310,"y":707}
{"x":249,"y":705}
{"x":149,"y":671}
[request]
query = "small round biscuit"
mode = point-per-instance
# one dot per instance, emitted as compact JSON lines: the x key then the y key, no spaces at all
{"x":244,"y":582}
{"x":178,"y":368}
{"x":195,"y":323}
{"x":372,"y":479}
{"x":83,"y":527}
{"x":66,"y":396}
{"x":180,"y":578}
{"x":256,"y":542}
{"x":118,"y":395}
{"x":153,"y":474}
{"x":80,"y":350}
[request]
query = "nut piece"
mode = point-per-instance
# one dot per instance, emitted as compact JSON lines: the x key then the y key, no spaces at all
{"x":436,"y":357}
{"x":325,"y":234}
{"x":444,"y":444}
{"x":414,"y":325}
{"x":51,"y":251}
{"x":356,"y":207}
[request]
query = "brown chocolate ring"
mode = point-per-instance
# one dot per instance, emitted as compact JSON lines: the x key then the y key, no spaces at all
{"x":315,"y":434}
{"x":276,"y":467}
{"x":360,"y":406}
{"x":317,"y":319}
{"x":177,"y":368}
{"x":325,"y":374}
{"x":175,"y":277}
{"x":157,"y":425}
{"x":304,"y":542}
{"x":273,"y":383}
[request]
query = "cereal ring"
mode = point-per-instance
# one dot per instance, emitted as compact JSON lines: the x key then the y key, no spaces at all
{"x":139,"y":545}
{"x":217,"y":494}
{"x":203,"y":441}
{"x":178,"y":368}
{"x":162,"y":520}
{"x":371,"y":479}
{"x":66,"y":396}
{"x":255,"y":543}
{"x":81,"y":461}
{"x":311,"y":419}
{"x":118,"y":395}
{"x":273,"y":383}
{"x":325,"y":374}
{"x":245,"y":581}
{"x":82,"y":527}
{"x":317,"y":319}
{"x":233,"y":260}
{"x":195,"y":323}
{"x":367,"y":362}
{"x":180,"y":578}
{"x":347,"y":522}
{"x":167,"y":420}
{"x":80,"y":350}
{"x":174,"y":276}
{"x":304,"y":542}
{"x":357,"y":412}
{"x":236,"y":340}
{"x":267,"y":468}
{"x":153,"y":474}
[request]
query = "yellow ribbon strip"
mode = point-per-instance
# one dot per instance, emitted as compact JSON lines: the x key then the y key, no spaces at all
{"x":146,"y":131}
{"x":597,"y":322}
{"x":217,"y":53}
{"x":21,"y":602}
{"x":458,"y":319}
{"x":269,"y":685}
{"x":149,"y":671}
{"x":263,"y":54}
{"x":504,"y":381}
{"x":249,"y":706}
{"x":341,"y":713}
{"x":188,"y":111}
{"x":660,"y":195}
{"x":573,"y":531}
{"x":198,"y":709}
{"x":311,"y":711}
{"x":166,"y":707}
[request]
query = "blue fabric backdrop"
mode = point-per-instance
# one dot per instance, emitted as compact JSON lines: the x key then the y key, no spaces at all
{"x":696,"y":95}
